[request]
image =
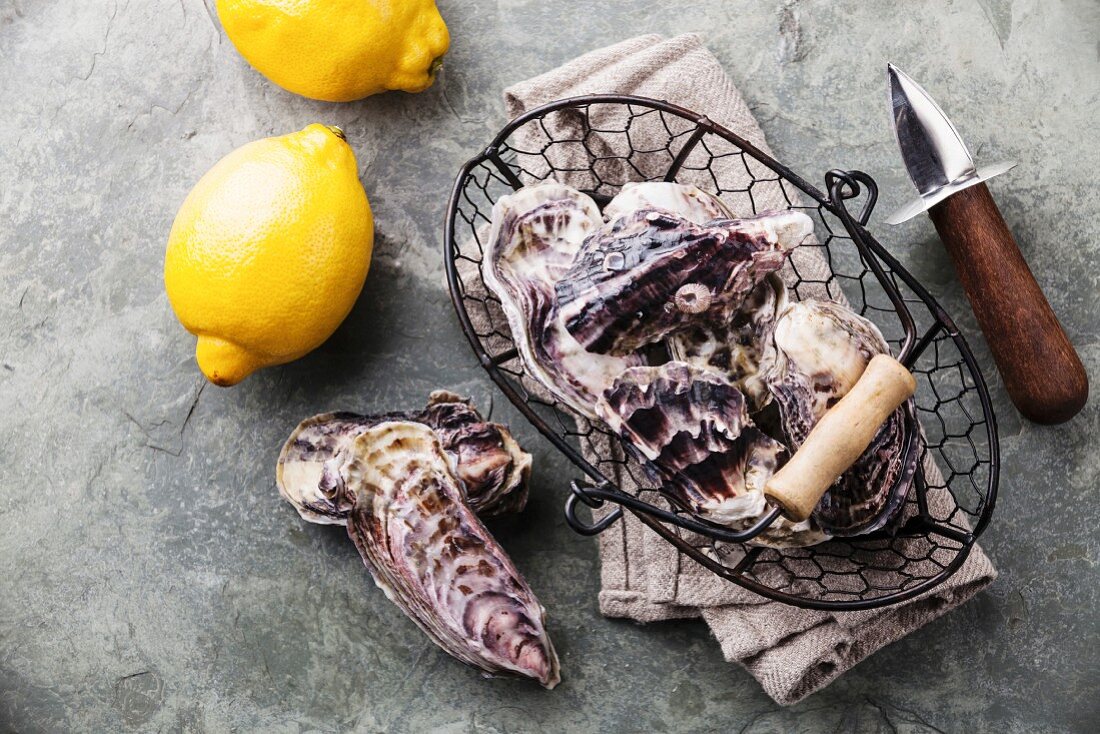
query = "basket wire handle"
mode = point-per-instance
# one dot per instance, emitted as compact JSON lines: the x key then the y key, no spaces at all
{"x":594,"y":496}
{"x":844,"y":186}
{"x":582,"y":494}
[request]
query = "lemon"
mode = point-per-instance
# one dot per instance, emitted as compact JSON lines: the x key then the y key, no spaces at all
{"x":269,"y":252}
{"x":339,"y":50}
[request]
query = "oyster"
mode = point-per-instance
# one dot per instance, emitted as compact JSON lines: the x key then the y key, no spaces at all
{"x":692,"y":431}
{"x":534,"y":237}
{"x":684,"y":200}
{"x":308,"y":472}
{"x":734,"y":349}
{"x":432,"y":557}
{"x":649,"y":273}
{"x":493,"y":468}
{"x":818,"y":351}
{"x":693,"y":428}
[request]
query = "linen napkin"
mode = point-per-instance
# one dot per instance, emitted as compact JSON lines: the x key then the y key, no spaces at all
{"x":792,"y":652}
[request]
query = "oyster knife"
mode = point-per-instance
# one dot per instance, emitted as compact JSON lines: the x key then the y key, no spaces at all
{"x":1041,"y":370}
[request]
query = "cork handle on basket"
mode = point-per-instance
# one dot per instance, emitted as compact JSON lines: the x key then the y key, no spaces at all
{"x":838,"y":439}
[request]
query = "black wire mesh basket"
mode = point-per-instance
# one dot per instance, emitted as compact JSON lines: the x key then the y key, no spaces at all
{"x":597,"y":144}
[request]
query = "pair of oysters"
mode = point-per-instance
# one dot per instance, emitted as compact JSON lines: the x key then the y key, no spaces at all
{"x":411,"y":488}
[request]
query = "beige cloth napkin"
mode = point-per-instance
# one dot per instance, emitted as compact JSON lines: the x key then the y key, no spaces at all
{"x":792,"y":652}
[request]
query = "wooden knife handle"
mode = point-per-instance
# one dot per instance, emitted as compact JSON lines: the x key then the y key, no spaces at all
{"x":1042,"y":371}
{"x":840,"y":437}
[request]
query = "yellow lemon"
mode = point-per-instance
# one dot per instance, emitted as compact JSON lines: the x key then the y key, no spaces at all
{"x":339,"y":50}
{"x":269,"y":252}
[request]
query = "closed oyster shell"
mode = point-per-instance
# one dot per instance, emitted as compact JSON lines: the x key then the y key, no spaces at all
{"x":492,"y":466}
{"x":818,"y":350}
{"x":692,"y":431}
{"x":649,"y":273}
{"x":307,"y":473}
{"x":683,"y":200}
{"x":535,"y":235}
{"x":433,"y":557}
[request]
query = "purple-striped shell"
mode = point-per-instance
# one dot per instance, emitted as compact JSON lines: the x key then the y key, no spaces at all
{"x":493,"y":468}
{"x":735,"y":348}
{"x":535,"y":235}
{"x":434,"y":559}
{"x":649,"y":273}
{"x":692,"y":431}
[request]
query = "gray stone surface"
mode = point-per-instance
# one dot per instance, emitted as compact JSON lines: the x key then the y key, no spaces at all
{"x":151,"y":579}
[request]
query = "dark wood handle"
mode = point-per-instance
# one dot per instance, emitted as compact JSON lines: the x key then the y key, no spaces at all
{"x":1041,"y":369}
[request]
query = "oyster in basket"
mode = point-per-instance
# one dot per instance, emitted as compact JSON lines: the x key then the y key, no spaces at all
{"x":432,"y":557}
{"x":735,"y":348}
{"x":535,"y":235}
{"x":684,"y":200}
{"x":493,"y":468}
{"x":649,"y":273}
{"x":818,"y":350}
{"x":693,"y":433}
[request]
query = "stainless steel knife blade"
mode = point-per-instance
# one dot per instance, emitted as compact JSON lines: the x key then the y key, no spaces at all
{"x":936,"y":158}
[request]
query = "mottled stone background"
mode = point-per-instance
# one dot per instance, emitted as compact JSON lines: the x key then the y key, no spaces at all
{"x":150,"y":577}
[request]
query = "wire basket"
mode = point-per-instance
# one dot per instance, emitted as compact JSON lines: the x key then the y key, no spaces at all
{"x":597,"y":143}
